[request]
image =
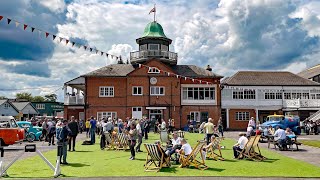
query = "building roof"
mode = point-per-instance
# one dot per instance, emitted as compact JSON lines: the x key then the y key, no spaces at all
{"x":268,"y":78}
{"x":310,"y":72}
{"x":112,"y":70}
{"x":3,"y":101}
{"x":20,"y":105}
{"x":153,"y":29}
{"x":122,"y":70}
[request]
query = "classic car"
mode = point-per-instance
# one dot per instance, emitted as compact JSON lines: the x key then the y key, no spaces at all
{"x":31,"y":130}
{"x":10,"y":132}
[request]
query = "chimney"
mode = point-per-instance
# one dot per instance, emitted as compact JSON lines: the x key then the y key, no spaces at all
{"x":209,"y":68}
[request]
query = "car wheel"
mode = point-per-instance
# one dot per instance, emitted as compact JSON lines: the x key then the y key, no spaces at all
{"x":30,"y":137}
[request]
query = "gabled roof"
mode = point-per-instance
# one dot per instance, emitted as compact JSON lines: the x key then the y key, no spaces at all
{"x":122,"y":70}
{"x":20,"y":105}
{"x":268,"y":78}
{"x":311,"y":72}
{"x":2,"y":101}
{"x":111,"y":70}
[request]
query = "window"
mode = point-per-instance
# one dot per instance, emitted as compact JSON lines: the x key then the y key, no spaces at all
{"x":269,"y":95}
{"x":242,"y":116}
{"x":153,"y":70}
{"x":237,"y":94}
{"x":156,"y":91}
{"x":305,"y":96}
{"x":195,"y":115}
{"x":143,"y":47}
{"x":106,"y":115}
{"x":154,"y":47}
{"x":198,"y":93}
{"x":287,"y":95}
{"x":137,"y":90}
{"x":106,"y":91}
{"x":249,"y":94}
{"x":278,"y":95}
{"x":40,"y":106}
{"x":6,"y":105}
{"x":137,"y":112}
{"x":164,"y":47}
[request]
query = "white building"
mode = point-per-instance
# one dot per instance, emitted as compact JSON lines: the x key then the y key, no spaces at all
{"x":259,"y":94}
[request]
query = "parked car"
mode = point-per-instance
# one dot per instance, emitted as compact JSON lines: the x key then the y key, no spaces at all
{"x":33,"y":132}
{"x":283,"y":122}
{"x":10,"y":132}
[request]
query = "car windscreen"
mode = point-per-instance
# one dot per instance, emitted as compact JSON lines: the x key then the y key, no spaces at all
{"x":275,"y":118}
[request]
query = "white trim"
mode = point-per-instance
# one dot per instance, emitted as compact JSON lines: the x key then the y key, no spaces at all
{"x":164,"y":90}
{"x":156,"y":107}
{"x":137,"y":87}
{"x":153,"y":70}
{"x":106,"y":87}
{"x":75,"y":107}
{"x":227,"y":117}
{"x":154,"y":49}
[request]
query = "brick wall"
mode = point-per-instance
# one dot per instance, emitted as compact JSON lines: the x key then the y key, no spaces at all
{"x":239,"y":125}
{"x":71,"y":112}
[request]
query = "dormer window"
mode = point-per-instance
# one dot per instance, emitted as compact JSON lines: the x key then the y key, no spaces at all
{"x":153,"y":70}
{"x":154,"y":47}
{"x":143,"y":47}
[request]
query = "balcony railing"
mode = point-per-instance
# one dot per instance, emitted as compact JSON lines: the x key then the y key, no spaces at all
{"x":302,"y":103}
{"x":138,"y":56}
{"x":73,"y":100}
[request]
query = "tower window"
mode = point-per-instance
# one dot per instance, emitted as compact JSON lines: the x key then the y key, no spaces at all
{"x":154,"y":47}
{"x":164,"y":48}
{"x":143,"y":47}
{"x":153,"y":70}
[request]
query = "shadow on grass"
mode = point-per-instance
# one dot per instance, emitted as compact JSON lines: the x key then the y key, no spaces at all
{"x":77,"y":165}
{"x":169,"y":169}
{"x":215,"y":169}
{"x":48,"y":177}
{"x":230,"y":160}
{"x":81,"y":151}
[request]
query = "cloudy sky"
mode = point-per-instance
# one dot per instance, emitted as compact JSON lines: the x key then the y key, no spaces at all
{"x":230,"y":35}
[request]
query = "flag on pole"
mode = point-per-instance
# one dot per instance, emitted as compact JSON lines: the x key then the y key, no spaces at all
{"x":152,"y":10}
{"x":1,"y":18}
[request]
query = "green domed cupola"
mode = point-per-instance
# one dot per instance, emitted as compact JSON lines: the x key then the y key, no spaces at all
{"x":153,"y":29}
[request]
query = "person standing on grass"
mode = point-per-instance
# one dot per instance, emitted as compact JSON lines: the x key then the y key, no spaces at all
{"x":139,"y":131}
{"x":44,"y":129}
{"x":63,"y":134}
{"x":51,"y":132}
{"x":74,"y":128}
{"x":220,"y":126}
{"x":88,"y":128}
{"x":93,"y":124}
{"x":146,"y":128}
{"x":209,"y":128}
{"x":133,"y":135}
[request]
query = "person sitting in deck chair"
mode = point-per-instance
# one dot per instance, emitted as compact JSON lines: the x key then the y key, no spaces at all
{"x":240,"y":145}
{"x":185,"y":148}
{"x":176,"y":144}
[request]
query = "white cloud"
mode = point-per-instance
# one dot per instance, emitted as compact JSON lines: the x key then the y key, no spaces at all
{"x":56,"y":6}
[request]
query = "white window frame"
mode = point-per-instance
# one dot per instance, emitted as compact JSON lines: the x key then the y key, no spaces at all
{"x":194,"y":115}
{"x":7,"y":105}
{"x":106,"y":115}
{"x":106,"y":89}
{"x":149,"y":47}
{"x":242,"y":116}
{"x":155,"y":93}
{"x":40,"y":106}
{"x":133,"y":87}
{"x":143,"y":47}
{"x":269,"y":95}
{"x":153,"y":70}
{"x":210,"y":91}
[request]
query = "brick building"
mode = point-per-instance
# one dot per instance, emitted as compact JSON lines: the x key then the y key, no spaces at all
{"x":151,"y":89}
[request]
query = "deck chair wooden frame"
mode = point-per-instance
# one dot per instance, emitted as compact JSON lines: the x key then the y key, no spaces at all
{"x":249,"y":151}
{"x":214,"y":151}
{"x":155,"y":158}
{"x":191,"y":159}
{"x":122,"y":142}
{"x":256,"y":153}
{"x":110,"y":144}
{"x":181,"y":134}
{"x":245,"y":153}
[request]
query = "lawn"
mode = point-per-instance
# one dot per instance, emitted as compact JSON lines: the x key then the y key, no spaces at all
{"x":313,"y":143}
{"x":90,"y":161}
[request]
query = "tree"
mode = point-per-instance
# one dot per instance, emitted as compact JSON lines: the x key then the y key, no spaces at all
{"x":25,"y":96}
{"x":3,"y":97}
{"x":38,"y":99}
{"x":51,"y":98}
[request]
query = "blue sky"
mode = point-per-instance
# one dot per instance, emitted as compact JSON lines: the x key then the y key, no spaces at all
{"x":230,"y":35}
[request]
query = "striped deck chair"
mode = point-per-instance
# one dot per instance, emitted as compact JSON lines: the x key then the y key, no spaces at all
{"x":191,"y":159}
{"x":215,"y":147}
{"x":156,"y":158}
{"x":245,"y":153}
{"x":110,"y":141}
{"x":256,"y":153}
{"x":181,"y":134}
{"x":122,"y":142}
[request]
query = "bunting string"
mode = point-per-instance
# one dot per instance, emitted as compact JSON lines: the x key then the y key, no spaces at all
{"x":47,"y":34}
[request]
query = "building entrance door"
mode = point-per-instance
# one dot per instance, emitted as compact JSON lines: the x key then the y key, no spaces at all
{"x":155,"y":115}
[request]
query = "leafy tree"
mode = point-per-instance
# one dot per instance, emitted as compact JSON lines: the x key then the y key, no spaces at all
{"x":51,"y":98}
{"x":38,"y":99}
{"x":24,"y":95}
{"x":3,"y":97}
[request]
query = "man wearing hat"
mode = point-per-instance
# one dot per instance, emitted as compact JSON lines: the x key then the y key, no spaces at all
{"x":240,"y":145}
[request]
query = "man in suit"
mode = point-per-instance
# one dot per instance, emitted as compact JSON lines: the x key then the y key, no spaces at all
{"x":74,"y":128}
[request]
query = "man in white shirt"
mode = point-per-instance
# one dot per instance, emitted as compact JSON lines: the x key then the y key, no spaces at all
{"x":240,"y":145}
{"x":280,"y":136}
{"x":186,"y":148}
{"x":252,"y":123}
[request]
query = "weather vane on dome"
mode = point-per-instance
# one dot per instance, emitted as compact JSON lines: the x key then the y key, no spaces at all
{"x":153,"y":10}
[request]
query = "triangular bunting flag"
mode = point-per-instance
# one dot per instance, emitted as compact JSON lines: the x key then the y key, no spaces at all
{"x":67,"y":41}
{"x":17,"y":23}
{"x":192,"y":80}
{"x":79,"y":46}
{"x":47,"y":34}
{"x":9,"y":20}
{"x":32,"y":29}
{"x":90,"y":49}
{"x":54,"y":37}
{"x":168,"y":74}
{"x":60,"y":39}
{"x":185,"y":78}
{"x":1,"y":18}
{"x":73,"y":43}
{"x":25,"y":26}
{"x":111,"y":56}
{"x":107,"y":55}
{"x":102,"y":53}
{"x":207,"y":82}
{"x":139,"y":65}
{"x":97,"y":51}
{"x":85,"y":47}
{"x":39,"y":32}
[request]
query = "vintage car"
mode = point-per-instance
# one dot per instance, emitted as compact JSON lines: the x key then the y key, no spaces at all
{"x":34,"y":132}
{"x":283,"y":122}
{"x":10,"y":132}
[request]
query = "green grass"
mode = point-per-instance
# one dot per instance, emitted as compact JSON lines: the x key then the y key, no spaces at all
{"x":90,"y":161}
{"x":313,"y":143}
